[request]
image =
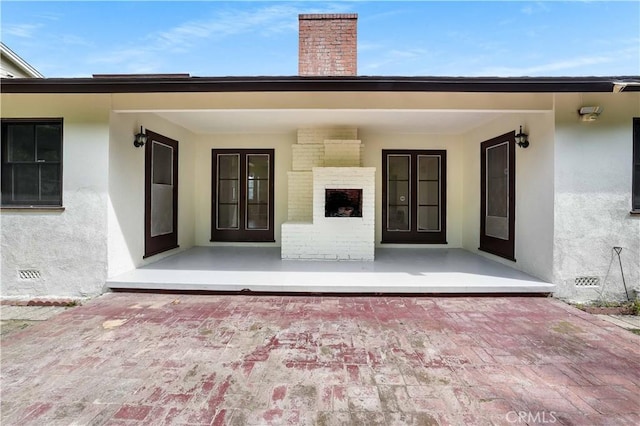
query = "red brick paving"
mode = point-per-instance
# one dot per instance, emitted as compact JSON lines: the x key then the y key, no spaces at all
{"x":147,"y":359}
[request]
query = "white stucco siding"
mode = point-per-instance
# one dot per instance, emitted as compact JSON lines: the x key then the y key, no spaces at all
{"x":534,"y":219}
{"x":126,"y":189}
{"x":68,"y":248}
{"x":593,"y":197}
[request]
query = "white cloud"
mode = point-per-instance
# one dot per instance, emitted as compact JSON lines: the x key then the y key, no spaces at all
{"x":74,"y":40}
{"x":532,"y":8}
{"x":229,"y":22}
{"x":396,"y":57}
{"x":581,"y":65}
{"x":545,"y":69}
{"x":121,"y":56}
{"x":21,"y":30}
{"x":50,"y":16}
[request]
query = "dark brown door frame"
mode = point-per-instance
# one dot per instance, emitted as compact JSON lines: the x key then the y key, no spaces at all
{"x":489,"y":244}
{"x":635,"y":184}
{"x":413,"y":236}
{"x":160,"y":243}
{"x":242,"y":234}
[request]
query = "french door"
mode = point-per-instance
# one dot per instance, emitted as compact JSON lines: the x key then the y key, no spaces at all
{"x":242,"y":195}
{"x":498,"y":196}
{"x":414,"y":196}
{"x":161,"y":194}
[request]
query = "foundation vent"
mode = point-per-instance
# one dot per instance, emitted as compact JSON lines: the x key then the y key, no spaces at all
{"x":587,"y":281}
{"x":29,"y":274}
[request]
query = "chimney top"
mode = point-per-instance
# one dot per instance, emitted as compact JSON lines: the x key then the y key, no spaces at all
{"x":327,"y":16}
{"x":327,"y":44}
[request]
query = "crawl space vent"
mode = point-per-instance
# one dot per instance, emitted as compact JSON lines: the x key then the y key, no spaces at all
{"x":587,"y":281}
{"x":29,"y":274}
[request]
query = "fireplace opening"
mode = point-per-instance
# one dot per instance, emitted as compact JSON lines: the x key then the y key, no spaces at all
{"x":343,"y":203}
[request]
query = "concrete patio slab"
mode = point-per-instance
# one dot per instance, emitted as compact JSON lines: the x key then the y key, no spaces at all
{"x":134,"y":359}
{"x":15,"y":318}
{"x":630,"y":322}
{"x":395,"y":270}
{"x":29,"y":313}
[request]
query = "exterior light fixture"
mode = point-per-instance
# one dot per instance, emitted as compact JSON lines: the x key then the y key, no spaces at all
{"x":140,"y":139}
{"x":590,"y":113}
{"x":619,"y":86}
{"x":522,"y":139}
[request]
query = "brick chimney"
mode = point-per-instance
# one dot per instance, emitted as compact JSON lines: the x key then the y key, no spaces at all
{"x":327,"y":44}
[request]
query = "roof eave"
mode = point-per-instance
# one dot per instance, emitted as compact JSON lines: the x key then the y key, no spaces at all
{"x":176,"y":84}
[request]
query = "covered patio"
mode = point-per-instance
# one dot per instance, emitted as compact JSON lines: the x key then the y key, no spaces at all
{"x":395,"y":270}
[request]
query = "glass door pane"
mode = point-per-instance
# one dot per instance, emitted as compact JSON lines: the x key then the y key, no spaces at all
{"x":497,"y":210}
{"x":428,"y":193}
{"x":161,"y":189}
{"x":228,"y":181}
{"x":257,"y":214}
{"x":398,"y":192}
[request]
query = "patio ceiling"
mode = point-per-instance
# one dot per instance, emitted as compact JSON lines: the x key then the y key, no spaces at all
{"x":286,"y":120}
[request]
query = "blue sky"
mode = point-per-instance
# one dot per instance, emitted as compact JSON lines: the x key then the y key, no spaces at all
{"x":415,"y":38}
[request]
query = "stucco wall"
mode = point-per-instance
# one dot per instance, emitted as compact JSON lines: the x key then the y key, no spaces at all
{"x":68,"y":247}
{"x":593,"y":196}
{"x":126,"y":190}
{"x":534,"y":192}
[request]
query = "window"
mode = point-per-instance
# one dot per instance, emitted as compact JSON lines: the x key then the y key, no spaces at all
{"x":32,"y":162}
{"x":635,"y":192}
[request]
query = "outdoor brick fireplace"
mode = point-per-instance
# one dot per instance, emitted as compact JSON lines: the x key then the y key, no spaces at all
{"x":331,"y":200}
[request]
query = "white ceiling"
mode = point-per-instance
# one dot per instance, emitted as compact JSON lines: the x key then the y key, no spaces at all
{"x":280,"y":121}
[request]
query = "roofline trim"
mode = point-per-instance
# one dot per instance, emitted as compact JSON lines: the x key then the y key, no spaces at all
{"x":176,"y":84}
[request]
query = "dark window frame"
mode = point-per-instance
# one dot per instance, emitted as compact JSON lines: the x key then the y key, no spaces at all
{"x":242,"y":234}
{"x":413,"y":235}
{"x":8,"y":192}
{"x":635,"y":170}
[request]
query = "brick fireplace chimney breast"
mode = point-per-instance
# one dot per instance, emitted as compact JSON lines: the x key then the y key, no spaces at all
{"x":327,"y":44}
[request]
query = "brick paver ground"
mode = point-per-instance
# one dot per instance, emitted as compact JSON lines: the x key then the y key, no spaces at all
{"x":132,"y":359}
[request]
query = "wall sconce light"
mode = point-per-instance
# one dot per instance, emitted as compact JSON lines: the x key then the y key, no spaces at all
{"x":590,"y":113}
{"x":522,"y":139}
{"x":619,"y":86}
{"x":140,"y":139}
